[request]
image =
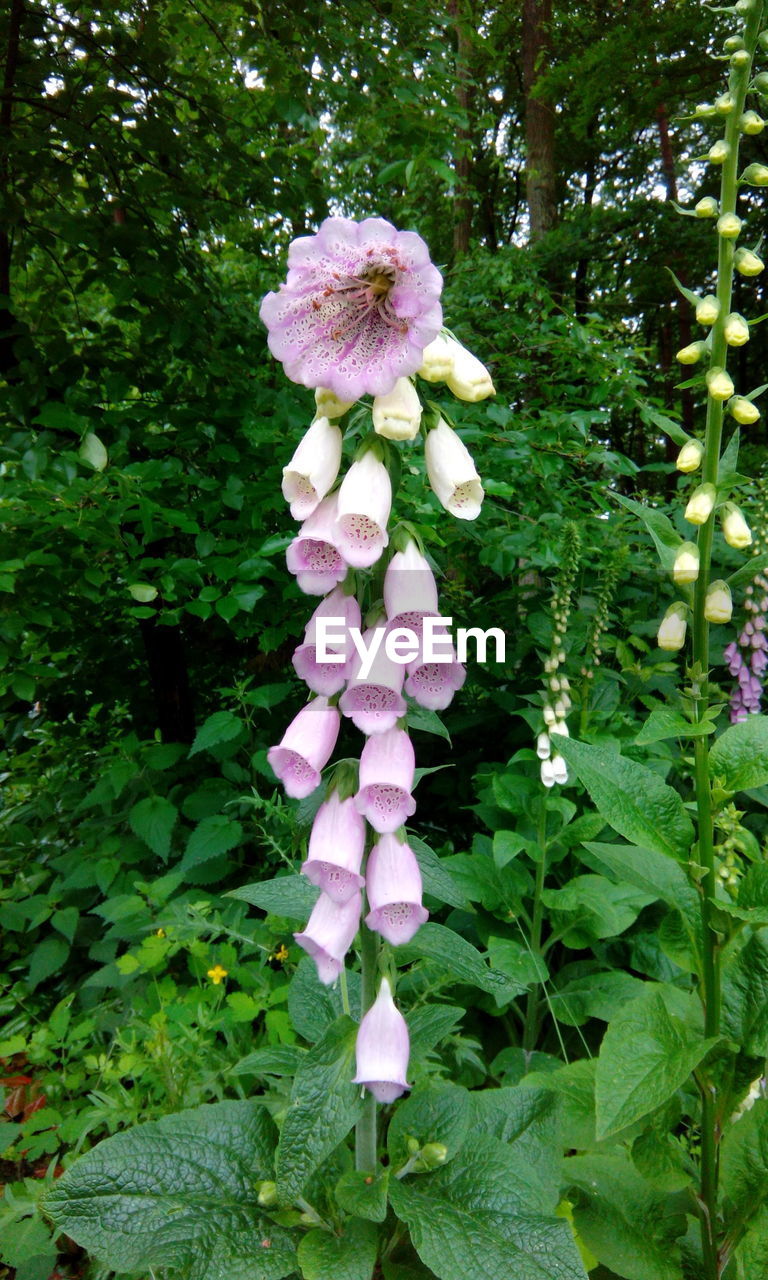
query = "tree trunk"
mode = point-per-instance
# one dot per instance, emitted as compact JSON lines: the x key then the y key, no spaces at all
{"x":539,"y":120}
{"x":461,"y":17}
{"x":7,"y":320}
{"x":167,"y":664}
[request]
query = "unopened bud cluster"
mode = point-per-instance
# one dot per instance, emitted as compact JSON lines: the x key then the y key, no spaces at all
{"x":557,"y":700}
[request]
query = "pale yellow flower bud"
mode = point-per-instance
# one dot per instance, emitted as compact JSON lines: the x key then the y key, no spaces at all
{"x":686,"y":566}
{"x":705,"y":110}
{"x":736,"y":330}
{"x":671,"y":633}
{"x":706,"y":207}
{"x":740,"y":59}
{"x":751,"y":123}
{"x":728,"y":226}
{"x":690,"y":456}
{"x":724,"y":104}
{"x":707,"y":309}
{"x":329,"y":405}
{"x":719,"y":152}
{"x":397,"y":415}
{"x":756,"y":175}
{"x":437,"y":359}
{"x":469,"y":379}
{"x":719,"y":384}
{"x":701,"y":504}
{"x":718,"y":606}
{"x":743,"y":410}
{"x":736,"y":531}
{"x":692,"y":353}
{"x":747,"y":263}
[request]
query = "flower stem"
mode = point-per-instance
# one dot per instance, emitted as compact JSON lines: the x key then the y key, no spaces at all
{"x":710,"y":967}
{"x":366,"y":1149}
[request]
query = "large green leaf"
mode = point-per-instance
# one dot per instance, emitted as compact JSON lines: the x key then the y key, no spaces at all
{"x":363,"y":1194}
{"x":292,"y":897}
{"x":349,"y":1255}
{"x":312,"y":1006}
{"x":739,"y":757}
{"x":744,"y":1163}
{"x":457,"y":959}
{"x":745,"y":996}
{"x":179,"y":1192}
{"x":646,"y":1055}
{"x":222,"y":726}
{"x":211,"y":837}
{"x":650,"y":871}
{"x":591,"y":907}
{"x":666,"y":539}
{"x":624,"y":1221}
{"x":436,"y":1112}
{"x":485,"y":1216}
{"x":153,"y":820}
{"x":324,"y":1106}
{"x":435,"y":877}
{"x":634,"y":800}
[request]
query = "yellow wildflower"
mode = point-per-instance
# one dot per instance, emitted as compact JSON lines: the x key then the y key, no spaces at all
{"x":217,"y":974}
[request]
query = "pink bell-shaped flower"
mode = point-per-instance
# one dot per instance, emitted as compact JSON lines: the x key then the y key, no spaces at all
{"x":387,"y":767}
{"x":305,"y":748}
{"x":365,"y":501}
{"x":410,"y":590}
{"x":313,"y":555}
{"x":374,"y":702}
{"x":452,"y":473}
{"x":328,"y":677}
{"x":329,"y":933}
{"x":382,"y":1048}
{"x":335,"y":852}
{"x":393,"y":886}
{"x":312,"y":469}
{"x":433,"y":683}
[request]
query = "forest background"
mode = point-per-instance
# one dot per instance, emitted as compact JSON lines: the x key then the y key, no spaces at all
{"x":155,"y":162}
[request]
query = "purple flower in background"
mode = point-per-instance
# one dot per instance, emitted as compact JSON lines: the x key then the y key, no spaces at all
{"x":382,"y":1048}
{"x":747,"y":656}
{"x":329,"y":933}
{"x":374,"y":702}
{"x":360,"y":304}
{"x":393,"y":886}
{"x":313,"y":555}
{"x":387,"y":767}
{"x":328,"y":677}
{"x":305,"y":748}
{"x":335,"y":851}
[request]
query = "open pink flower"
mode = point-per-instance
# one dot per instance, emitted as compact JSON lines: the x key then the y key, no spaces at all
{"x":410,"y":590}
{"x":374,"y":702}
{"x":393,"y":886}
{"x":306,"y":748}
{"x":387,"y":767}
{"x":328,"y":677}
{"x":313,"y":555}
{"x":364,"y":504}
{"x":382,"y":1048}
{"x":329,"y":933}
{"x":335,"y":851}
{"x":433,"y":684}
{"x":360,"y":304}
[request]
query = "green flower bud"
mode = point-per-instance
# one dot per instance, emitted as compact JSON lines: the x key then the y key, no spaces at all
{"x":756,"y":175}
{"x":707,"y":309}
{"x":760,"y":83}
{"x":701,"y":504}
{"x":413,"y":1147}
{"x":433,"y":1154}
{"x":671,"y":633}
{"x":724,"y":104}
{"x":743,"y":410}
{"x":705,"y":111}
{"x":736,"y":330}
{"x":718,"y":606}
{"x":751,"y":123}
{"x":719,"y":384}
{"x":736,"y":531}
{"x":729,"y":226}
{"x":706,"y":207}
{"x":732,"y":44}
{"x":686,"y":566}
{"x":692,"y":353}
{"x":690,"y":456}
{"x":747,"y":263}
{"x":740,"y":59}
{"x":267,"y":1194}
{"x":762,"y":40}
{"x":718,"y":153}
{"x":744,"y":7}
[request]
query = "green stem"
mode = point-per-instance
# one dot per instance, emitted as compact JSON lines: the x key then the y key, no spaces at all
{"x":531,"y":1027}
{"x":366,"y":1148}
{"x":710,"y":967}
